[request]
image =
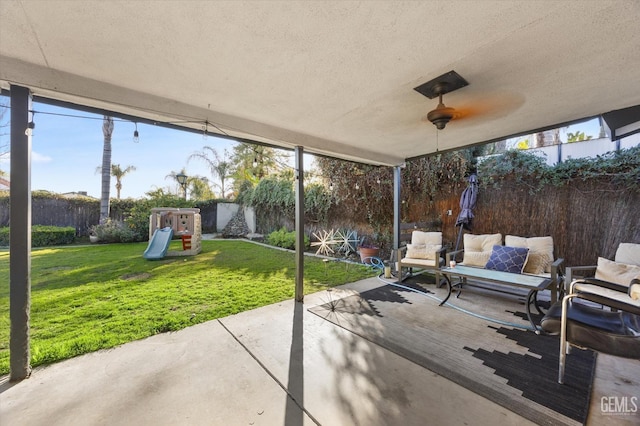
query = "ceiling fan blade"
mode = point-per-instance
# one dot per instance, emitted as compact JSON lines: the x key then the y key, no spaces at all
{"x":498,"y":105}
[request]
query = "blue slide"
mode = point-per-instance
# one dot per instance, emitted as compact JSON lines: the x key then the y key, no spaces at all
{"x":159,"y":244}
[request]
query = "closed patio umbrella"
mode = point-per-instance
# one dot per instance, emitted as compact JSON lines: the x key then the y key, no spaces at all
{"x":467,"y":204}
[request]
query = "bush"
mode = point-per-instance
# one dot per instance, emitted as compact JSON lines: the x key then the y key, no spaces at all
{"x":284,"y":239}
{"x":137,"y":221}
{"x":42,"y":236}
{"x":113,"y":231}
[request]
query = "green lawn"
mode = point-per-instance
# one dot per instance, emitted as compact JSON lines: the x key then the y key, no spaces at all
{"x":86,"y":298}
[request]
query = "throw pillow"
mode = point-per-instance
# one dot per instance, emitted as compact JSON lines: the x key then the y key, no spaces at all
{"x":508,"y":259}
{"x":615,"y":272}
{"x":628,"y":253}
{"x":416,"y":251}
{"x":540,"y":252}
{"x":422,"y":251}
{"x":421,"y":237}
{"x":477,"y":248}
{"x":476,"y":258}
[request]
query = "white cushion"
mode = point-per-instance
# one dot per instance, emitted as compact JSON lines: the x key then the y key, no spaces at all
{"x":422,"y":251}
{"x":634,"y":291}
{"x":614,"y":272}
{"x":608,"y":293}
{"x":421,"y":237}
{"x":427,"y":263}
{"x":628,"y":253}
{"x":478,"y":248}
{"x":540,"y":252}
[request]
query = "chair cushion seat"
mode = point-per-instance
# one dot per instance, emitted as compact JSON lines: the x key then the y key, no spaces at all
{"x":409,"y":261}
{"x":614,"y":333}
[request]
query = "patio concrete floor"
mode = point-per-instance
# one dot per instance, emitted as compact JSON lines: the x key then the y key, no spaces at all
{"x":276,"y":365}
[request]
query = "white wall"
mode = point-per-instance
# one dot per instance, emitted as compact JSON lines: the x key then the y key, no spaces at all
{"x":226,"y":212}
{"x":584,"y":149}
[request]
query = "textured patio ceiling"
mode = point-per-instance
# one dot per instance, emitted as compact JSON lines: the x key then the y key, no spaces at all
{"x":334,"y":77}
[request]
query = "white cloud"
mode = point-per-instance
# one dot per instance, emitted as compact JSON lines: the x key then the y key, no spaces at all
{"x":39,"y":158}
{"x":5,"y":158}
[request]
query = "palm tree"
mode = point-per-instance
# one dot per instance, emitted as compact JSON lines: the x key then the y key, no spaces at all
{"x":107,"y":131}
{"x":219,"y":167}
{"x":119,"y":173}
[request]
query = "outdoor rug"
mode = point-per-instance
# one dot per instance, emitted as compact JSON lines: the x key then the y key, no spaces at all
{"x":479,"y":341}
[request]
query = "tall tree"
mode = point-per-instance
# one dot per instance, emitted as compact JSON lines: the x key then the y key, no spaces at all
{"x":107,"y":131}
{"x":220,"y":167}
{"x":252,"y":163}
{"x":199,"y":188}
{"x":119,"y":173}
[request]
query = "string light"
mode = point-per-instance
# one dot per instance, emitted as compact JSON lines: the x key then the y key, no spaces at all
{"x":357,"y":186}
{"x":255,"y":162}
{"x":29,"y":130}
{"x":30,"y":125}
{"x":136,"y":135}
{"x":330,"y":186}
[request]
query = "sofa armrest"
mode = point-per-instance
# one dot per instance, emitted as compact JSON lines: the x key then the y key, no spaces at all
{"x":442,"y":256}
{"x":600,"y":283}
{"x":453,"y":255}
{"x":557,"y":278}
{"x":400,"y":252}
{"x":575,"y":272}
{"x":606,"y":294}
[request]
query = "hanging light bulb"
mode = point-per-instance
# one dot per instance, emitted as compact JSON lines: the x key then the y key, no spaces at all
{"x":255,"y":162}
{"x":330,"y":186}
{"x":205,"y":130}
{"x":357,"y":186}
{"x":378,"y":181}
{"x":29,"y":130}
{"x":136,"y":135}
{"x":30,"y":125}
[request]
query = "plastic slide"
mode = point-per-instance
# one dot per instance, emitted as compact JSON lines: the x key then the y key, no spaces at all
{"x":159,"y":244}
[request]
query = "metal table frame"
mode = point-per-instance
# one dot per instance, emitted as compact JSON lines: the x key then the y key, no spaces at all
{"x":531,"y":282}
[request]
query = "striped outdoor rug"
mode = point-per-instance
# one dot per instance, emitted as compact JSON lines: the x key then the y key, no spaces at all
{"x":482,"y":345}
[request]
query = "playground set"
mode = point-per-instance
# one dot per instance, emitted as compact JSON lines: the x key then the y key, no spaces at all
{"x":164,"y":223}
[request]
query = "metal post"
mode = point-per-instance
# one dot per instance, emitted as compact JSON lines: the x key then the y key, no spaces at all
{"x":397,"y":204}
{"x":299,"y":183}
{"x":20,"y":234}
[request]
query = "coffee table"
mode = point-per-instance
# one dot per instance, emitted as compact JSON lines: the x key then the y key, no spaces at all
{"x":531,"y":282}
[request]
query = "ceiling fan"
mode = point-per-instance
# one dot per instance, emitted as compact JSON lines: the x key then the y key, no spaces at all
{"x":437,"y":87}
{"x":490,"y":104}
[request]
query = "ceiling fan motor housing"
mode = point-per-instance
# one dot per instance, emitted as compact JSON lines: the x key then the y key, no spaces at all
{"x":440,"y":116}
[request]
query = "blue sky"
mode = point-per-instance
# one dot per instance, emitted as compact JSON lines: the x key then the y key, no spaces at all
{"x":67,"y":150}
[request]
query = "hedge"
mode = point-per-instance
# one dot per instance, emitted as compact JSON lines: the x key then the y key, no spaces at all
{"x":42,"y":236}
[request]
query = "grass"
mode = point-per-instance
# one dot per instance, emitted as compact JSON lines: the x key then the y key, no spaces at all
{"x":86,"y":298}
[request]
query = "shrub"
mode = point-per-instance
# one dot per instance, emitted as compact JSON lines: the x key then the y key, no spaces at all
{"x":284,"y":239}
{"x":137,"y":221}
{"x":42,"y":236}
{"x":113,"y":231}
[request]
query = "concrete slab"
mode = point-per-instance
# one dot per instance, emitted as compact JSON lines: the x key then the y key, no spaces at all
{"x":197,"y":376}
{"x":275,"y":365}
{"x":342,"y":379}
